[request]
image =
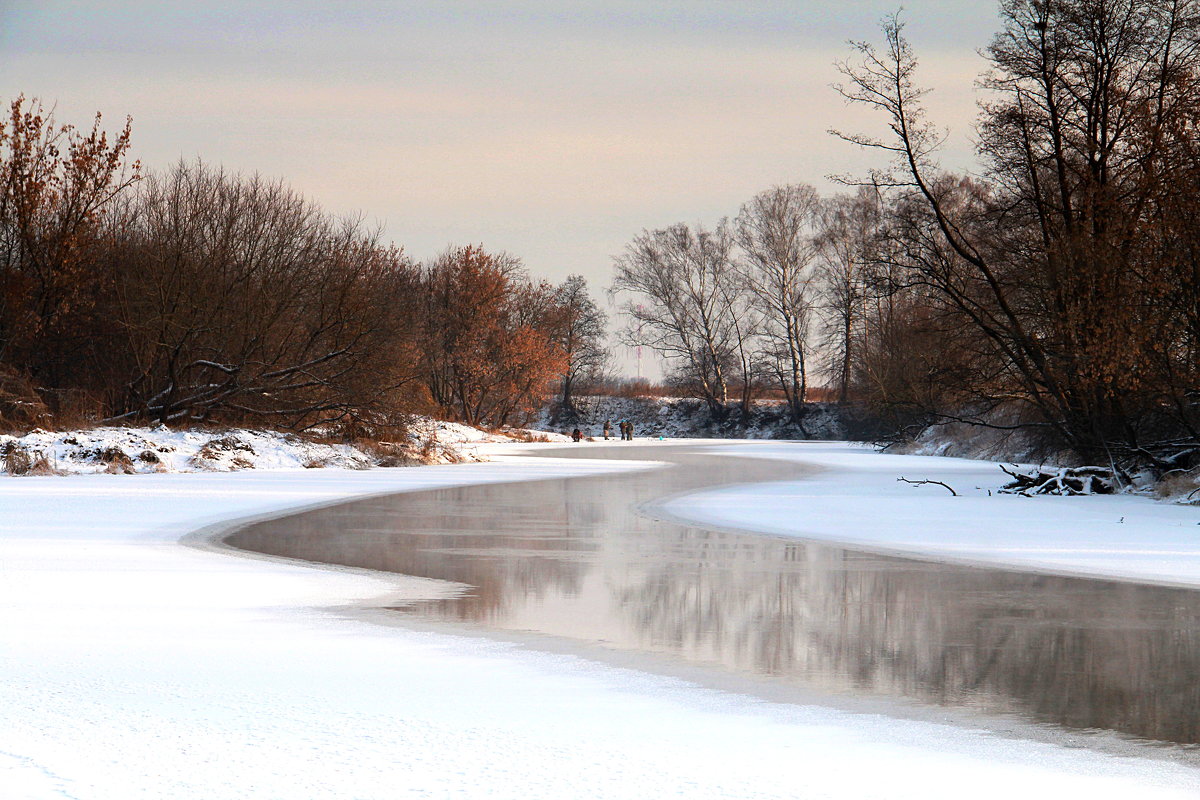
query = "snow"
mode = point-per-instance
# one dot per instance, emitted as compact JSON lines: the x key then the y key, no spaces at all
{"x":132,"y":666}
{"x":161,"y":449}
{"x":858,"y":499}
{"x":455,"y":433}
{"x":133,"y":450}
{"x":679,"y":418}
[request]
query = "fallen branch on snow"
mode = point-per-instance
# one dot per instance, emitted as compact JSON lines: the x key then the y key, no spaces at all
{"x":922,"y":483}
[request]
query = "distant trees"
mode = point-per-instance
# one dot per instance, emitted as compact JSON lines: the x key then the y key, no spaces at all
{"x":196,"y":295}
{"x":491,"y":339}
{"x":1055,"y":292}
{"x":685,"y":297}
{"x":731,"y":307}
{"x":775,"y":231}
{"x":848,"y":245}
{"x":584,"y":331}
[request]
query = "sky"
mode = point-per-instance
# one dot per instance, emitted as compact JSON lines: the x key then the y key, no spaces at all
{"x":553,"y":130}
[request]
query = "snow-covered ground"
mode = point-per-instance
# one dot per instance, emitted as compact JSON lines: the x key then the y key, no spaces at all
{"x":135,"y":667}
{"x":857,"y":498}
{"x":679,"y":417}
{"x":162,"y":449}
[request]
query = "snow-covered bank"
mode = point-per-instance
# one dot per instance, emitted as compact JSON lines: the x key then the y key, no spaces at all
{"x":132,"y":667}
{"x":858,"y":499}
{"x":681,"y":418}
{"x":148,"y":450}
{"x":161,"y":449}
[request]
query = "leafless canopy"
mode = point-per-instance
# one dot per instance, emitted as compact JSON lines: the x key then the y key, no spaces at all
{"x":1071,"y":260}
{"x":684,"y":296}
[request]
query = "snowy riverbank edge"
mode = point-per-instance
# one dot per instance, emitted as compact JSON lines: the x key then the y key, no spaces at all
{"x":135,"y":667}
{"x":131,"y":450}
{"x":857,"y":498}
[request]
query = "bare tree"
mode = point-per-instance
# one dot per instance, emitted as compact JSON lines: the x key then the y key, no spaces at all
{"x":684,"y":289}
{"x":775,"y":231}
{"x":55,"y":183}
{"x":755,"y":356}
{"x":848,"y":241}
{"x":240,"y":298}
{"x":583,"y":334}
{"x":1054,"y":255}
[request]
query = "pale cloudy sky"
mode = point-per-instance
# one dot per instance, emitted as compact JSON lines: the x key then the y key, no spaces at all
{"x":553,"y":130}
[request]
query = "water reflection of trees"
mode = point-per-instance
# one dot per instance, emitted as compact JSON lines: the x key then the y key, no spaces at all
{"x":1082,"y":653}
{"x":465,"y":535}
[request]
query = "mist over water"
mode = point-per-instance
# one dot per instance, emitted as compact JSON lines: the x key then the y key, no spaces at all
{"x":573,"y":558}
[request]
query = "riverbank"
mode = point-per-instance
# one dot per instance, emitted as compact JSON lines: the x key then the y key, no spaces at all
{"x":151,"y":450}
{"x":858,"y":498}
{"x":135,"y":667}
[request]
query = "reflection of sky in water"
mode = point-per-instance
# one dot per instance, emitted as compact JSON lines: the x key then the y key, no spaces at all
{"x":571,"y":558}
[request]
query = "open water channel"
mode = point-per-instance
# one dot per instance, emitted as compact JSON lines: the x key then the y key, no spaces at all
{"x":583,"y":560}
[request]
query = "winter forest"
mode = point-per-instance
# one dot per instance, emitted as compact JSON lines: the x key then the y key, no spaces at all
{"x":1053,"y":291}
{"x":195,"y":295}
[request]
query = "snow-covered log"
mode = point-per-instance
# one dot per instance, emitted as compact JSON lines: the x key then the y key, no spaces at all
{"x":1062,"y":480}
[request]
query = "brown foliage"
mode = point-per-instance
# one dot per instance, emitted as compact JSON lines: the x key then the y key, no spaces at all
{"x":491,"y":338}
{"x":201,"y":296}
{"x":20,"y":406}
{"x":55,"y":182}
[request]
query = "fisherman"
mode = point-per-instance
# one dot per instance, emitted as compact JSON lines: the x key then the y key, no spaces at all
{"x":577,"y":435}
{"x":607,"y":429}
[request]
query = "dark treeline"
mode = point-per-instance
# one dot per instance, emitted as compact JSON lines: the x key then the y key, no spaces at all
{"x":196,"y":295}
{"x":1055,"y":290}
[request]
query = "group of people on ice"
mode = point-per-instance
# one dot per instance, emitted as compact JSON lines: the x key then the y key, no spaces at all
{"x":625,"y":426}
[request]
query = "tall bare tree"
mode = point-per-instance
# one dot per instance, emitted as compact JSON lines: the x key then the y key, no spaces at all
{"x":849,"y":231}
{"x":1053,"y":256}
{"x":776,"y":233}
{"x":683,"y":288}
{"x":583,"y":334}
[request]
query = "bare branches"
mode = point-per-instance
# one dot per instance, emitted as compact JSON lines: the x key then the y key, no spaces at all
{"x":945,"y":486}
{"x":1065,"y":260}
{"x":776,"y":233}
{"x":885,"y":80}
{"x":684,"y":301}
{"x":582,"y":336}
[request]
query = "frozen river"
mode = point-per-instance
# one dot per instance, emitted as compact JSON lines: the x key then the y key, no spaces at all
{"x":582,"y":562}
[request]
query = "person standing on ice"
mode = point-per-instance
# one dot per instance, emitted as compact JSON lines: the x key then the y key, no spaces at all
{"x":607,"y":429}
{"x":629,"y":431}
